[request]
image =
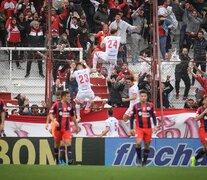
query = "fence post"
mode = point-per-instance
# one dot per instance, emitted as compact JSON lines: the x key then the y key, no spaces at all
{"x":10,"y":65}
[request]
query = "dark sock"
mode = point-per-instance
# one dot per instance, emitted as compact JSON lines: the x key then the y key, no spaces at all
{"x":139,"y":153}
{"x":56,"y":155}
{"x":69,"y":152}
{"x":200,"y":154}
{"x":62,"y":153}
{"x":146,"y":154}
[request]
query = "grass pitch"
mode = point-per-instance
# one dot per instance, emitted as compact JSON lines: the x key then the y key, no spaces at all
{"x":38,"y":172}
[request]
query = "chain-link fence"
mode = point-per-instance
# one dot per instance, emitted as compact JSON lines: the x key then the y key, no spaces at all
{"x":23,"y":70}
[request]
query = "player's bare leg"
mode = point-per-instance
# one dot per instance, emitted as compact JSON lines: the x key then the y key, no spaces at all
{"x":139,"y":150}
{"x":77,"y":110}
{"x":69,"y":151}
{"x":56,"y":151}
{"x":146,"y":152}
{"x":199,"y":155}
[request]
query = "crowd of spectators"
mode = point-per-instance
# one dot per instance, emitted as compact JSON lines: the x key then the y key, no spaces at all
{"x":182,"y":24}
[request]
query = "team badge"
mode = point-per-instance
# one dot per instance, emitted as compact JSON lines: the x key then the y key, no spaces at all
{"x":140,"y":113}
{"x":148,"y":108}
{"x":60,"y":113}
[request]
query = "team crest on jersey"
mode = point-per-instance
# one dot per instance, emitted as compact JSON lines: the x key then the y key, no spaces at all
{"x":140,"y":113}
{"x":148,"y":108}
{"x":60,"y":113}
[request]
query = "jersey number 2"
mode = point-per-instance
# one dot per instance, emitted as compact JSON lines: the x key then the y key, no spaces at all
{"x":83,"y":78}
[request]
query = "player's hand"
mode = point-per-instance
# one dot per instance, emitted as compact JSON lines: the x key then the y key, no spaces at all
{"x":132,"y":132}
{"x":124,"y":100}
{"x":155,"y":129}
{"x":76,"y":129}
{"x":1,"y":128}
{"x":46,"y":126}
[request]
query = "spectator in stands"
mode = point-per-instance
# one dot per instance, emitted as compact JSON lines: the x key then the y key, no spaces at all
{"x":2,"y":115}
{"x":201,"y":80}
{"x":24,"y":5}
{"x":100,"y":17}
{"x":33,"y":111}
{"x":35,"y":39}
{"x":2,"y":28}
{"x":124,"y":91}
{"x":56,"y":87}
{"x":164,"y":25}
{"x":71,"y":83}
{"x":168,"y":71}
{"x":115,"y":6}
{"x":190,"y":104}
{"x":23,"y":25}
{"x":165,"y":10}
{"x":200,"y":47}
{"x":125,"y":71}
{"x":166,"y":89}
{"x":13,"y":38}
{"x":89,"y":13}
{"x":137,"y":34}
{"x":83,"y":33}
{"x":73,"y":32}
{"x":181,"y":72}
{"x":144,"y":63}
{"x":193,"y":26}
{"x":178,"y":11}
{"x":9,"y":7}
{"x":114,"y":99}
{"x":122,"y":27}
{"x":15,"y":112}
{"x":146,"y":84}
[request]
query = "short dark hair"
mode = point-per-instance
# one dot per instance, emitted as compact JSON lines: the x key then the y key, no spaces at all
{"x":58,"y":93}
{"x":143,"y":92}
{"x":201,"y":32}
{"x":80,"y":64}
{"x":64,"y":93}
{"x":110,"y":112}
{"x":131,"y":78}
{"x":34,"y":106}
{"x":113,"y":31}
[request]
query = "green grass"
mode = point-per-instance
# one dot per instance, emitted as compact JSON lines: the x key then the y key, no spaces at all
{"x":38,"y":172}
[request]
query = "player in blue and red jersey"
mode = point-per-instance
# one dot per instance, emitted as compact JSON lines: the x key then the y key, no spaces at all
{"x":201,"y":116}
{"x":143,"y":112}
{"x":60,"y":114}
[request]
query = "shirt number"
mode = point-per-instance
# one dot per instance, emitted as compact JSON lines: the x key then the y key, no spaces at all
{"x":83,"y":78}
{"x":112,"y":44}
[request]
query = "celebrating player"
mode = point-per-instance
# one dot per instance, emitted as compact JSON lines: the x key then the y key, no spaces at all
{"x":112,"y":125}
{"x":143,"y":111}
{"x":60,"y":114}
{"x":82,"y":76}
{"x":111,"y":44}
{"x":133,"y":95}
{"x":202,"y":117}
{"x":2,"y":116}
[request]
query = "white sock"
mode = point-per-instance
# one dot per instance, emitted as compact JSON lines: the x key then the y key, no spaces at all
{"x":95,"y":61}
{"x":88,"y":104}
{"x":77,"y":108}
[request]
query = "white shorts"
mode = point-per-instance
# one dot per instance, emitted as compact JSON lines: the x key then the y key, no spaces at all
{"x":106,"y":58}
{"x":82,"y":96}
